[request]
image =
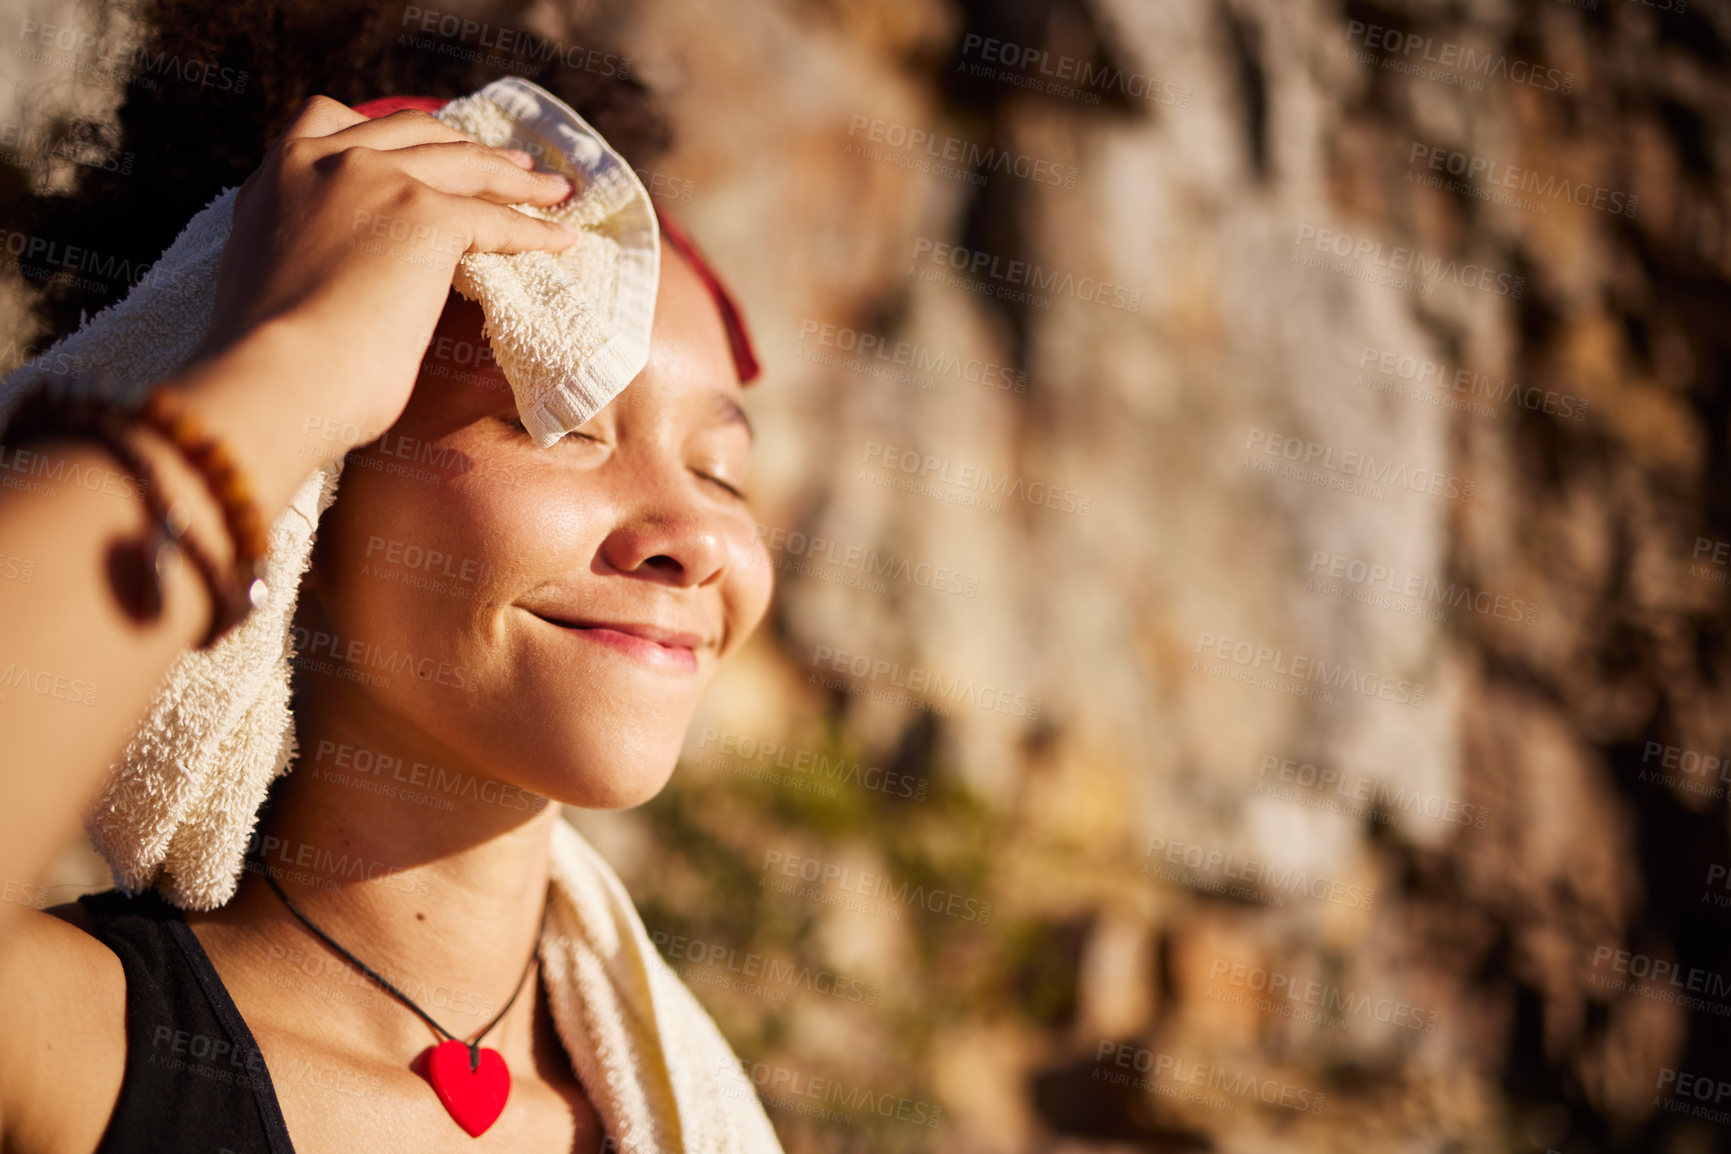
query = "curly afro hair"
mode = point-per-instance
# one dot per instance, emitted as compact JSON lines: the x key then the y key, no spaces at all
{"x":209,"y":85}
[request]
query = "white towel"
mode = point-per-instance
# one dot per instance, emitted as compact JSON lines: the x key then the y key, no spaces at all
{"x":570,"y":331}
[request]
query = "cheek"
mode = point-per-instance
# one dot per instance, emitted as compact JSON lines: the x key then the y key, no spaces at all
{"x":416,"y":563}
{"x":751,"y":582}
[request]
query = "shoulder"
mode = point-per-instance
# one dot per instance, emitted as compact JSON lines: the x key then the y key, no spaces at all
{"x":61,"y":1071}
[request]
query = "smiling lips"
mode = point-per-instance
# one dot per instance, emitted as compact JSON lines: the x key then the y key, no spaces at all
{"x":650,"y":644}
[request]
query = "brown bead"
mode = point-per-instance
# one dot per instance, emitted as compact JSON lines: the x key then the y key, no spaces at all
{"x":132,"y":575}
{"x":232,"y":489}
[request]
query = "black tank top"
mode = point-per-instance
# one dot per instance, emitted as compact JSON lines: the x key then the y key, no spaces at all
{"x":195,"y":1080}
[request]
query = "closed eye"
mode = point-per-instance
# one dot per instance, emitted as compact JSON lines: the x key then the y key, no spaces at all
{"x":517,"y":423}
{"x":723,"y":484}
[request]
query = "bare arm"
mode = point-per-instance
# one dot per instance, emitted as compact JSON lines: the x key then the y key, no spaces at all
{"x":307,"y":323}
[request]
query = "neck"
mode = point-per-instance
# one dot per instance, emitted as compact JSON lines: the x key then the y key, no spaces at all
{"x":414,"y":860}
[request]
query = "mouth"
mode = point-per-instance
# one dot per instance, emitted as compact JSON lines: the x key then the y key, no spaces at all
{"x":652,"y":645}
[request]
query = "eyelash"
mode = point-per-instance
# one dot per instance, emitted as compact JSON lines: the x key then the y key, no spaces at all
{"x":724,"y":485}
{"x":517,"y":423}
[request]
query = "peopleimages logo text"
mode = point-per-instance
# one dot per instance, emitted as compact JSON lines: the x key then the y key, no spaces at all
{"x":35,"y":253}
{"x":510,"y":41}
{"x":1082,"y":77}
{"x":915,"y":356}
{"x":975,"y":263}
{"x":1308,"y":667}
{"x":1326,"y":567}
{"x":916,"y":679}
{"x":976,"y":156}
{"x":1234,"y":1083}
{"x":1398,"y":259}
{"x":1524,"y":180}
{"x":1351,"y":463}
{"x":1379,"y":795}
{"x":116,"y":58}
{"x":1448,"y":54}
{"x":1421,"y":371}
{"x":876,"y":886}
{"x":974,"y":477}
{"x":1282,"y":991}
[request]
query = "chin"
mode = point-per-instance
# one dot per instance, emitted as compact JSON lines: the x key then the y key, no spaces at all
{"x":614,"y":771}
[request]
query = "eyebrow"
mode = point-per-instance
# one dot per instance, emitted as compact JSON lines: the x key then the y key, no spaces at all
{"x":728,"y":408}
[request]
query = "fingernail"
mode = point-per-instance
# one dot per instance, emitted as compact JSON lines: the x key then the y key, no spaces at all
{"x":519,"y":157}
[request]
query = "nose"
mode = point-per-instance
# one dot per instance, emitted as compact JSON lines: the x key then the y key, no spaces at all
{"x":669,"y":539}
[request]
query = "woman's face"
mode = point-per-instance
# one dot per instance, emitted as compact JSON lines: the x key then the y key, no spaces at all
{"x":545,"y":617}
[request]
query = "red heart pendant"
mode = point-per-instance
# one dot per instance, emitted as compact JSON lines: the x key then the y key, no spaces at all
{"x":475,"y":1098}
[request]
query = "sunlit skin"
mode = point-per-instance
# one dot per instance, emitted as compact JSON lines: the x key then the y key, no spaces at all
{"x":632,"y":519}
{"x":629,"y":519}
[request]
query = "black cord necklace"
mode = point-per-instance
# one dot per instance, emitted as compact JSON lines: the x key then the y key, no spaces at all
{"x":472,"y":1091}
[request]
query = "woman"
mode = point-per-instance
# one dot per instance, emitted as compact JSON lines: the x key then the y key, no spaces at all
{"x":601,"y":582}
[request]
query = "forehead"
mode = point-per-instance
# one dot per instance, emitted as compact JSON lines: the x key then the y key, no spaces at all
{"x":688,"y":340}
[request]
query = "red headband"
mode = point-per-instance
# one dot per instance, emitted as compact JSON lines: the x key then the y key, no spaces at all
{"x":738,"y":342}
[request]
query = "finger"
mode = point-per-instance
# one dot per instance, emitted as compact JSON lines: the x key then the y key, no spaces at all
{"x":321,"y":116}
{"x":401,"y":129}
{"x":498,"y":228}
{"x":465,"y":168}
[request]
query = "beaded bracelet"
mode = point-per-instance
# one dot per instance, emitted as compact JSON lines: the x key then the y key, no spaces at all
{"x":166,"y":413}
{"x":136,"y":569}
